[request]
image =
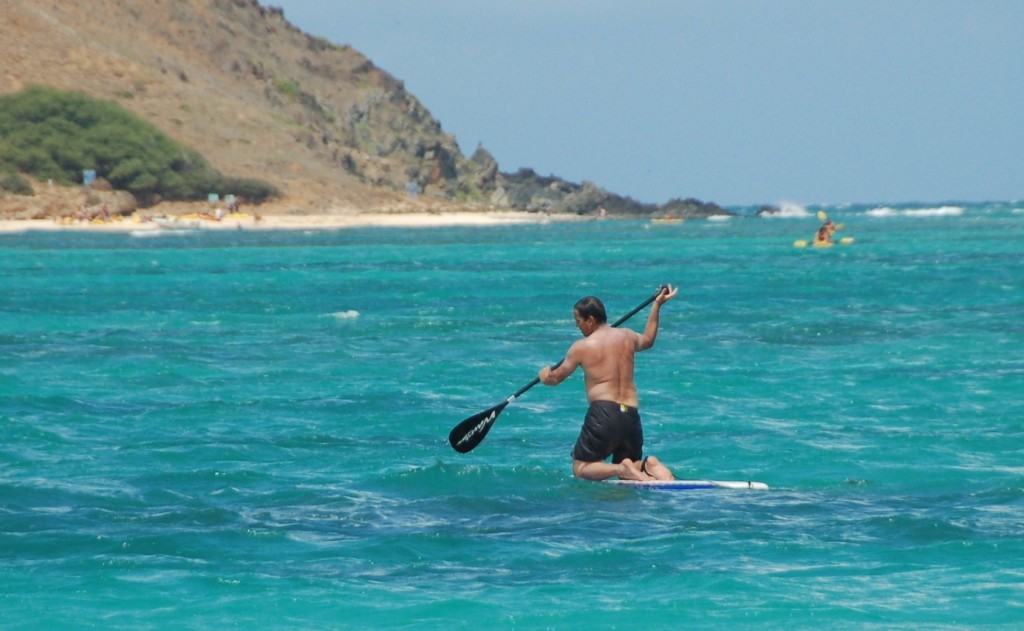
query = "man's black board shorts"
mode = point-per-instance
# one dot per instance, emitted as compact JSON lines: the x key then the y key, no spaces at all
{"x":610,"y":428}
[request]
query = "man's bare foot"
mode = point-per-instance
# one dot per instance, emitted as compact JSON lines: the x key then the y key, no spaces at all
{"x":658,"y":470}
{"x":631,"y":471}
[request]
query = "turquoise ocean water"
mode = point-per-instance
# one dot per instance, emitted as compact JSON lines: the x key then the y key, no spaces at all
{"x":249,"y":430}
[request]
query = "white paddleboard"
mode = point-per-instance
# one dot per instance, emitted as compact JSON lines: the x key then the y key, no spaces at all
{"x":692,"y":485}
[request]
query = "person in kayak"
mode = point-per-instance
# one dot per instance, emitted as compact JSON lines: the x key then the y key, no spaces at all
{"x":612,"y":424}
{"x":825,"y":232}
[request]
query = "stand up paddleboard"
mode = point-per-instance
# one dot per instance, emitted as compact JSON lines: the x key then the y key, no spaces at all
{"x":691,"y":485}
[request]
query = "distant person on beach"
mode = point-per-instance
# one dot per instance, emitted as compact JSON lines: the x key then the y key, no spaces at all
{"x":612,"y":425}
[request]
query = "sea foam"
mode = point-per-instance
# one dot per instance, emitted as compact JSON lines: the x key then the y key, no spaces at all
{"x":788,"y":210}
{"x":938,"y":211}
{"x":149,"y":234}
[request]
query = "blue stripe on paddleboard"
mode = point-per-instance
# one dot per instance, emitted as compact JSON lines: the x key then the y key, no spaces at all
{"x":693,"y":485}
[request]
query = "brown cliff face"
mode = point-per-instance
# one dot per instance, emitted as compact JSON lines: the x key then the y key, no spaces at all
{"x":234,"y":80}
{"x":259,"y":98}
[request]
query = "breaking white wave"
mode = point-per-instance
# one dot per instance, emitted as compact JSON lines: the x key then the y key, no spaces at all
{"x":719,"y":217}
{"x":788,"y":210}
{"x":1018,"y":211}
{"x":351,"y":314}
{"x":939,"y":211}
{"x":884,"y":211}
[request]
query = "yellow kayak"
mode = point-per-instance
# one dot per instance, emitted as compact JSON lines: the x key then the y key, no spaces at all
{"x":803,"y":243}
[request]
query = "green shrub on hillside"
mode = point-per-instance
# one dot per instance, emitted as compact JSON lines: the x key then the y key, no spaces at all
{"x":248,"y":188}
{"x":287,"y":87}
{"x":14,"y":183}
{"x":55,"y":135}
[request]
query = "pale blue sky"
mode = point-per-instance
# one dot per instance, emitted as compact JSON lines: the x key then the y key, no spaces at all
{"x":734,"y":102}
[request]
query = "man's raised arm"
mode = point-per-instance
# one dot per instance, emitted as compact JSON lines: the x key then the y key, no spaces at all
{"x":651,"y":330}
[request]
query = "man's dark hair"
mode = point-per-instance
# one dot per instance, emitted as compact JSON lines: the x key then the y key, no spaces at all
{"x":591,"y":306}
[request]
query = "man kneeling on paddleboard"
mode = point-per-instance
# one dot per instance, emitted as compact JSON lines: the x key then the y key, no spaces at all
{"x":612,"y":425}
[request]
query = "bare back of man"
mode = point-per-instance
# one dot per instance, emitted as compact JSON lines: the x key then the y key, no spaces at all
{"x":607,"y":359}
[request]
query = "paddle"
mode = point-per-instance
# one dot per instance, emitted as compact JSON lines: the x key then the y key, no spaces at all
{"x":470,"y":432}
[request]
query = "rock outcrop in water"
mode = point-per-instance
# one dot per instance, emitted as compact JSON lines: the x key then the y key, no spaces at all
{"x":526,"y":189}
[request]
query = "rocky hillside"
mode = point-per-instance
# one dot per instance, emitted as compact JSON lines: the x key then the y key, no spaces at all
{"x":259,"y":98}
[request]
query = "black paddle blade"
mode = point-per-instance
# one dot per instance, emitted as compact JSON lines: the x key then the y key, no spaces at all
{"x":468,"y":434}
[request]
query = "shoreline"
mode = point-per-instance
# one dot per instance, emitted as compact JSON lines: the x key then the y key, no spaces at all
{"x":293,"y":222}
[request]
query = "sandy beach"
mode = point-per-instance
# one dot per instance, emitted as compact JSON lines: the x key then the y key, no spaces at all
{"x":289,"y":222}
